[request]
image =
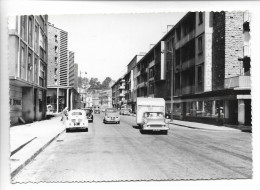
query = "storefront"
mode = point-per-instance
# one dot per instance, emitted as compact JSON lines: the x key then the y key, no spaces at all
{"x":225,"y":107}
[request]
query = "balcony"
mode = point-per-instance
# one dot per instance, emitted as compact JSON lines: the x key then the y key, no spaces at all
{"x":238,"y":82}
{"x":122,"y":87}
{"x":121,"y":95}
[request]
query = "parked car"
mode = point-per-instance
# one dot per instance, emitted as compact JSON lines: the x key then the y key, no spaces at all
{"x":96,"y":110}
{"x":76,"y":119}
{"x":89,"y":114}
{"x":125,"y":111}
{"x":111,"y":116}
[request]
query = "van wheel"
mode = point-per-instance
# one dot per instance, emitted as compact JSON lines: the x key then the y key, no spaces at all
{"x":165,"y":132}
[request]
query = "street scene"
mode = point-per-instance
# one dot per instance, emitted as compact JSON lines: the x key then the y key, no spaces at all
{"x":112,"y":152}
{"x":108,"y":98}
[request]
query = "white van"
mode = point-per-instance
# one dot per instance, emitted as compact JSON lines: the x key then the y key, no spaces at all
{"x":150,"y":114}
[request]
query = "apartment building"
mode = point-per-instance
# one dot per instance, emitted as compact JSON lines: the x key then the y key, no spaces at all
{"x":130,"y":80}
{"x":28,"y":44}
{"x":201,"y":67}
{"x":118,"y":93}
{"x":62,"y":72}
{"x":105,"y":97}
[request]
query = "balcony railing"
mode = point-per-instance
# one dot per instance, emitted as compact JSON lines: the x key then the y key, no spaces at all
{"x":122,"y":87}
{"x":240,"y":82}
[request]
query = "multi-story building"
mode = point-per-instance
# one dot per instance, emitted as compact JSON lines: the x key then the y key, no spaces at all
{"x":130,"y":91}
{"x":209,"y":76}
{"x":118,"y":93}
{"x":73,"y":71}
{"x":62,"y":75}
{"x":105,"y":98}
{"x":201,"y":67}
{"x":28,"y":44}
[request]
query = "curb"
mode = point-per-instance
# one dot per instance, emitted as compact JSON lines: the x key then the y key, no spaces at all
{"x":197,"y":127}
{"x":17,"y":170}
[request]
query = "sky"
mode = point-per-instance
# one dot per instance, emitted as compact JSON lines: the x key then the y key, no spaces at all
{"x":105,"y":43}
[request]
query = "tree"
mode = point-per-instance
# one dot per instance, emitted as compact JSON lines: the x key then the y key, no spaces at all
{"x":105,"y":83}
{"x":82,"y":81}
{"x":94,"y":83}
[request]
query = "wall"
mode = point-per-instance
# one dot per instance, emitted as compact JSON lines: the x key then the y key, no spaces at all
{"x":27,"y":104}
{"x":233,"y":43}
{"x":218,"y":51}
{"x":13,"y":55}
{"x":51,"y":57}
{"x":15,"y":110}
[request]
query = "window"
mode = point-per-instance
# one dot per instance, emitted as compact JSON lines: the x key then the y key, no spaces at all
{"x":30,"y":25}
{"x":23,"y":27}
{"x":56,"y":49}
{"x":16,"y":102}
{"x":23,"y":63}
{"x":200,"y":18}
{"x":35,"y":70}
{"x":36,"y":36}
{"x":42,"y":76}
{"x":30,"y":68}
{"x":56,"y":38}
{"x":200,"y":45}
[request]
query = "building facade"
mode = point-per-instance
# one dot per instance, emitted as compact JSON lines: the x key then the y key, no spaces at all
{"x":62,"y":77}
{"x":130,"y":79}
{"x":28,"y":44}
{"x":201,"y":67}
{"x":118,"y":93}
{"x":105,"y":98}
{"x":211,"y":69}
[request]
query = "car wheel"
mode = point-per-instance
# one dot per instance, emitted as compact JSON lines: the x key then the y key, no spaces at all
{"x":118,"y":122}
{"x":67,"y":130}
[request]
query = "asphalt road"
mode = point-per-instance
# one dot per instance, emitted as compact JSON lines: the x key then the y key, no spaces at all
{"x":120,"y":152}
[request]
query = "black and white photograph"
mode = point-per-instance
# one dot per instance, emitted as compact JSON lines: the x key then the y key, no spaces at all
{"x":130,"y":97}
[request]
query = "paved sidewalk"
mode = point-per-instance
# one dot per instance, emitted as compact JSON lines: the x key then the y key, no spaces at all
{"x":195,"y":125}
{"x":27,"y":141}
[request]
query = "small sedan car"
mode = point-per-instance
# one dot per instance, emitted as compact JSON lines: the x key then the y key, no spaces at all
{"x":89,"y":114}
{"x":124,"y":111}
{"x":111,"y":116}
{"x":76,"y":119}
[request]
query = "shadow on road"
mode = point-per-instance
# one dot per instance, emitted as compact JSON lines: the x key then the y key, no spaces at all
{"x":76,"y":130}
{"x":152,"y":132}
{"x":136,"y":127}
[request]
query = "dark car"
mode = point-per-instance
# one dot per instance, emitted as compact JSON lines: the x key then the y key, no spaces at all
{"x":89,"y":114}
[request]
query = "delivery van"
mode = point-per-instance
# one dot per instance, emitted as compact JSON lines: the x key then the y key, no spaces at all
{"x":150,"y":114}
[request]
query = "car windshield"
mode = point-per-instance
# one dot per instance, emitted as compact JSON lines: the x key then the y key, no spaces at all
{"x":153,"y":114}
{"x":76,"y":113}
{"x":111,"y":110}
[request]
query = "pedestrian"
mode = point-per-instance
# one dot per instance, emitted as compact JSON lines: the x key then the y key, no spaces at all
{"x":64,"y":114}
